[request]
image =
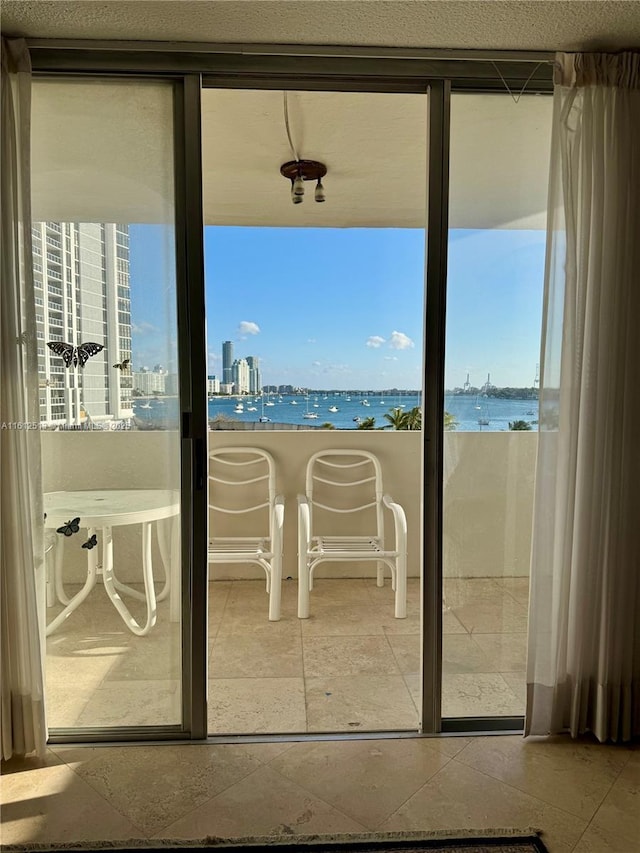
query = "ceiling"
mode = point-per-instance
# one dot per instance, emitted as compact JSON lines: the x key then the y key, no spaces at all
{"x":101,"y":152}
{"x":469,"y":24}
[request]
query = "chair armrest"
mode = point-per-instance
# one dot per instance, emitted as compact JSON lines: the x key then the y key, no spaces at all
{"x":400,"y":521}
{"x":304,"y":523}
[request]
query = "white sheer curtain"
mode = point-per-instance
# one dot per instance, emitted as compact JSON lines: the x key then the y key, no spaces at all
{"x":583,"y":670}
{"x":22,"y":720}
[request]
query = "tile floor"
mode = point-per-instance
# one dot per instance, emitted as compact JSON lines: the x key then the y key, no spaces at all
{"x":585,"y":797}
{"x":350,"y":667}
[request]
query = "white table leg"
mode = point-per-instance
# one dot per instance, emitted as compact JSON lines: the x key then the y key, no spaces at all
{"x":147,"y":572}
{"x":76,"y":601}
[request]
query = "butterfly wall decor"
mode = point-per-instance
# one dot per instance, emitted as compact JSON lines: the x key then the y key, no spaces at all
{"x":91,"y":542}
{"x":75,"y":356}
{"x":70,"y":527}
{"x":124,"y":364}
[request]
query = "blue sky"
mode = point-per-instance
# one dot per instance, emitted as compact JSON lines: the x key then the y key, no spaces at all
{"x":343,"y":308}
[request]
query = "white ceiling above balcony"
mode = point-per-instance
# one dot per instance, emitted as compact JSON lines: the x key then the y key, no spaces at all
{"x":100,"y":156}
{"x":471,"y":24}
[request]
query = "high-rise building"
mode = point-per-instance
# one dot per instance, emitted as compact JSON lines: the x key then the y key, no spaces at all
{"x":227,"y":361}
{"x":240,"y":376}
{"x":255,"y":378}
{"x":213,"y":384}
{"x":82,"y":293}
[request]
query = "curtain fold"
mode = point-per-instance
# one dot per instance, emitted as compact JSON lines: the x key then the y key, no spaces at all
{"x":22,"y":715}
{"x":583,"y":671}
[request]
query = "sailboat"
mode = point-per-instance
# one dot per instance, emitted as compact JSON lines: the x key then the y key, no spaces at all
{"x":263,"y":419}
{"x":309,"y":414}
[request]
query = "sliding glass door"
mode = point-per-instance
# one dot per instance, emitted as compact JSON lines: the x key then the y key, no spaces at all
{"x":105,"y":295}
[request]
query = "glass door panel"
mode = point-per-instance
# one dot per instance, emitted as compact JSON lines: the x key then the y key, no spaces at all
{"x":315,"y":327}
{"x":104,"y":269}
{"x":498,"y":180}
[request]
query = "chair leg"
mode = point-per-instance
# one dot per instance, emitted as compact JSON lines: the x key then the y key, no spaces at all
{"x":303,"y":587}
{"x":380,"y":574}
{"x":275,"y":589}
{"x":401,"y":587}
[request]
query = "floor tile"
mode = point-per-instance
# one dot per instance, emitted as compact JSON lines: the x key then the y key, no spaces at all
{"x":344,"y":621}
{"x":182,"y":778}
{"x":461,"y":654}
{"x":254,"y":619}
{"x":247,"y":705}
{"x":385,"y":595}
{"x":491,"y":617}
{"x":278,"y":806}
{"x":459,"y":797}
{"x":518,"y":588}
{"x":367,"y":780}
{"x":335,"y":592}
{"x":255,"y":656}
{"x":504,"y":652}
{"x":328,"y":656}
{"x":133,"y":703}
{"x":461,"y":591}
{"x":620,"y":810}
{"x":574,"y":776}
{"x":451,"y":625}
{"x":53,"y":804}
{"x":478,"y":695}
{"x":597,"y":840}
{"x":359,"y":703}
{"x":406,"y":649}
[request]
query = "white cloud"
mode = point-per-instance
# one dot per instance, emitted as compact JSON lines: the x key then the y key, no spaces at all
{"x":316,"y":363}
{"x":143,"y":328}
{"x":247,"y":327}
{"x":391,"y":358}
{"x":375,"y":341}
{"x":399,"y":340}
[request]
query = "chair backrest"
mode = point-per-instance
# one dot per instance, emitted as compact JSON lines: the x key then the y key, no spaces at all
{"x":242,"y":489}
{"x":344,"y":489}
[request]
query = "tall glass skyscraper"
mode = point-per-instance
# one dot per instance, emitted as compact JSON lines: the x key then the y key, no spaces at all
{"x":227,"y":362}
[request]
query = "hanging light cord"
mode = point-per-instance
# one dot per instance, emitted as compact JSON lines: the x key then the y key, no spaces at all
{"x":526,"y":83}
{"x":286,"y":124}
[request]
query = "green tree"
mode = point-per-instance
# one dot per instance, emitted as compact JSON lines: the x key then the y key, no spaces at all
{"x":450,"y":421}
{"x":519,"y":425}
{"x":397,"y":418}
{"x":414,"y":419}
{"x":367,"y":423}
{"x":327,"y":425}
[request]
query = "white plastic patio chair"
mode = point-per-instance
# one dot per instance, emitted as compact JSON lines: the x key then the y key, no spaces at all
{"x":341,"y":519}
{"x":243,"y":504}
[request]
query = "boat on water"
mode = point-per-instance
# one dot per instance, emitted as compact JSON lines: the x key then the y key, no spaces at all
{"x":333,"y":408}
{"x":269,"y":403}
{"x":365,"y":403}
{"x":310,"y":415}
{"x":293,"y":402}
{"x":263,"y":419}
{"x":239,"y":409}
{"x":357,"y":420}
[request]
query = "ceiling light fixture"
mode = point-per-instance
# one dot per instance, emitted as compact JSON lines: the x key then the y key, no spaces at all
{"x":298,"y":171}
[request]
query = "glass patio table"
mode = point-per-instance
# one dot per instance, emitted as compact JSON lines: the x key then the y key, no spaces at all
{"x":99,"y":511}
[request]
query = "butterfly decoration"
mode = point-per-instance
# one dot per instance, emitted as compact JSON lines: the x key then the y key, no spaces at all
{"x":70,"y":527}
{"x":91,"y":542}
{"x":75,"y":356}
{"x":124,"y":364}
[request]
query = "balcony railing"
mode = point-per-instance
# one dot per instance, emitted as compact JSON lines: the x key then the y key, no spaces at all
{"x":488,"y":485}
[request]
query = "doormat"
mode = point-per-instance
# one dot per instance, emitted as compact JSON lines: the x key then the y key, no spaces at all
{"x":465,"y":841}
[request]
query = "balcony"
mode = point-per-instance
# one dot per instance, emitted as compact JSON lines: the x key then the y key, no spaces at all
{"x":351,"y":666}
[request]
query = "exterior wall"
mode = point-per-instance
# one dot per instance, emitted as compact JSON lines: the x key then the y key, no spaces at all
{"x":488,"y":489}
